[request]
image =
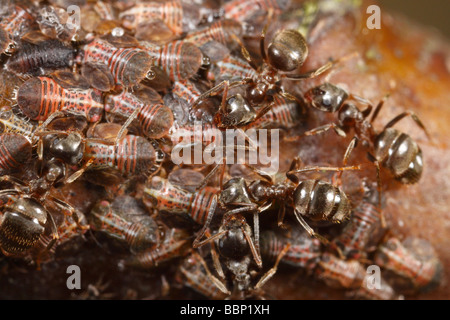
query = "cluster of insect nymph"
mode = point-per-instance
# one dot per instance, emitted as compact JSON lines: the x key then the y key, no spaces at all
{"x":98,"y":104}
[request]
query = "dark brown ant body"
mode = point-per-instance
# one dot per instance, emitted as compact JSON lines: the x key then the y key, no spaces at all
{"x":236,"y":247}
{"x":22,"y":224}
{"x":25,"y":220}
{"x":314,"y":199}
{"x":395,"y":150}
{"x":286,"y":53}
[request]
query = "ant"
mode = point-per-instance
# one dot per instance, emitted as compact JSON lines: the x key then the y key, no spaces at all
{"x":234,"y":245}
{"x":394,"y":149}
{"x":286,"y":53}
{"x":25,"y":217}
{"x":314,"y":199}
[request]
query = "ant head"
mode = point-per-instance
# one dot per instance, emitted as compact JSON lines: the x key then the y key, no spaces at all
{"x":234,"y":192}
{"x":326,"y":97}
{"x":287,"y":51}
{"x":238,"y":112}
{"x":67,"y":147}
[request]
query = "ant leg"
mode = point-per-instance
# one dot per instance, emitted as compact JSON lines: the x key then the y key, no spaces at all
{"x":55,"y":235}
{"x":260,"y":173}
{"x":215,"y":258}
{"x":251,"y":143}
{"x":124,"y":127}
{"x":335,"y":247}
{"x":9,"y":192}
{"x":222,"y":164}
{"x":256,"y":236}
{"x":308,"y":229}
{"x":222,"y":174}
{"x":211,"y":211}
{"x":338,"y":129}
{"x":208,"y":176}
{"x":72,"y":211}
{"x":262,"y":42}
{"x":217,"y":90}
{"x":245,"y":52}
{"x":255,"y":250}
{"x":13,"y":180}
{"x":210,"y":239}
{"x":262,"y":208}
{"x":318,"y":168}
{"x":296,"y":163}
{"x":44,"y":133}
{"x":271,"y":272}
{"x":322,"y":69}
{"x":79,"y":172}
{"x":413,"y":116}
{"x":310,"y":74}
{"x":47,"y":122}
{"x":216,"y":281}
{"x":262,"y":111}
{"x":359,"y":99}
{"x":378,"y":108}
{"x":348,"y":151}
{"x":379,"y":188}
{"x":281,"y":214}
{"x":224,"y":96}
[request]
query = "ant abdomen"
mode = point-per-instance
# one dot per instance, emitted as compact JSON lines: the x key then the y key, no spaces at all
{"x":287,"y":51}
{"x":400,"y":154}
{"x":22,"y":225}
{"x":319,"y":201}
